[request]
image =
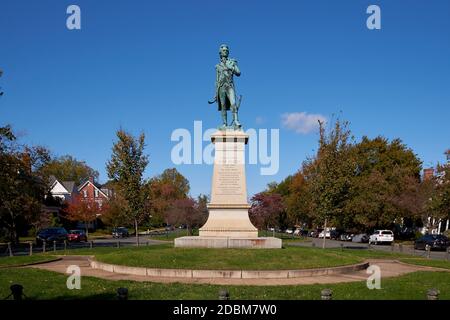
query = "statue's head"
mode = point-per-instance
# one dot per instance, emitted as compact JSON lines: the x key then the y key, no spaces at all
{"x":224,"y":50}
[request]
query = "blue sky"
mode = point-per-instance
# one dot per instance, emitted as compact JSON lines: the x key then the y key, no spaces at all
{"x":148,"y":66}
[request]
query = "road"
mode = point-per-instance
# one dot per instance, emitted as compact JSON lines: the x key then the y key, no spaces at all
{"x":24,"y":249}
{"x":407,"y":249}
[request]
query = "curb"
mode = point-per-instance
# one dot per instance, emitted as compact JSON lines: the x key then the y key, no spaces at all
{"x":30,"y":264}
{"x":226,"y":274}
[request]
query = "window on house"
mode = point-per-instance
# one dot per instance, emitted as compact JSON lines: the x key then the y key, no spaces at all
{"x":85,"y":193}
{"x":96,"y":193}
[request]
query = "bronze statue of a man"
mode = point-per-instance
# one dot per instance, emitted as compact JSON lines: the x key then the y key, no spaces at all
{"x":225,"y":92}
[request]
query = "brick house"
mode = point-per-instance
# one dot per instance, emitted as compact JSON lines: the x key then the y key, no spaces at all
{"x":88,"y":190}
{"x":92,"y":191}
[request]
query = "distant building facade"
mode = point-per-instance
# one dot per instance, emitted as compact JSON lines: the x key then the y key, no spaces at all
{"x":88,"y":190}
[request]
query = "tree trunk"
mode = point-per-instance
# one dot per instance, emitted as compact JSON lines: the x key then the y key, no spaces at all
{"x":87,"y":228}
{"x":136,"y":230}
{"x":324,"y":234}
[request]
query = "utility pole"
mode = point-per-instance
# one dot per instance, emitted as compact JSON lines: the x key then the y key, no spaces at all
{"x":324,"y":234}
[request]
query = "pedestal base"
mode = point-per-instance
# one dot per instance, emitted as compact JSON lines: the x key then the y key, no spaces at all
{"x":227,"y":242}
{"x":228,"y":222}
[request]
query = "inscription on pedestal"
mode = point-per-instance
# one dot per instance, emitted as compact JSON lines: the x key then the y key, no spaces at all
{"x":229,"y":180}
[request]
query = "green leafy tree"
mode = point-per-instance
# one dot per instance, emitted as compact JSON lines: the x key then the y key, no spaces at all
{"x":330,"y":174}
{"x":386,"y":184}
{"x":126,"y":168}
{"x":438,"y":204}
{"x":115,"y":214}
{"x":22,"y":190}
{"x":374,"y":183}
{"x":67,"y":168}
{"x":202,"y":209}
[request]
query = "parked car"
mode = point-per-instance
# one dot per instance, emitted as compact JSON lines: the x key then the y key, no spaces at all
{"x":330,"y":234}
{"x":169,"y":227}
{"x":315,"y":233}
{"x":381,"y":236}
{"x":289,"y":231}
{"x":327,"y":234}
{"x":346,"y":236}
{"x":335,"y":234}
{"x":51,"y":234}
{"x":77,"y":236}
{"x":361,"y":238}
{"x":300,"y":232}
{"x":120,"y":232}
{"x":434,"y":241}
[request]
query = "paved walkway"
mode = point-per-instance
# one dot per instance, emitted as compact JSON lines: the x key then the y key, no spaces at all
{"x":389,"y":268}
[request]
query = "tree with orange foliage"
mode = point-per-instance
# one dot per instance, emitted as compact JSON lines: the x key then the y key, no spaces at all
{"x":85,"y":210}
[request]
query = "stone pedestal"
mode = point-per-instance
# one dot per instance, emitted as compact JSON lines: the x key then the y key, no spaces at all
{"x":228,"y":224}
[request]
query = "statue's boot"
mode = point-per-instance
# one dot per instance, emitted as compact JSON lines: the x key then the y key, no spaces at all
{"x":236,"y":124}
{"x":224,"y":119}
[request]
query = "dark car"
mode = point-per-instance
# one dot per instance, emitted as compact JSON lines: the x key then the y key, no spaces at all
{"x":336,"y":234}
{"x":315,"y":233}
{"x":120,"y":232}
{"x":50,"y":235}
{"x":77,"y":236}
{"x":434,"y":241}
{"x":169,"y":228}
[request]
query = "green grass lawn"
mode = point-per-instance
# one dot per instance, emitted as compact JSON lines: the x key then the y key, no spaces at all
{"x":372,"y":253}
{"x":165,"y":256}
{"x":170,"y":236}
{"x":427,"y":262}
{"x":24,"y":260}
{"x":183,"y":232}
{"x":283,"y":236}
{"x":41,"y":284}
{"x":291,"y":257}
